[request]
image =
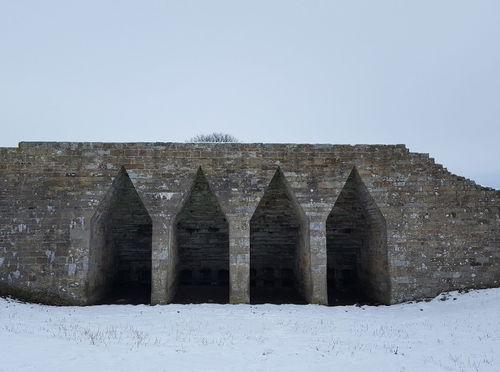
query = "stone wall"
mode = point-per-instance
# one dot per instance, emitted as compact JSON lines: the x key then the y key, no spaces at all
{"x":439,"y":231}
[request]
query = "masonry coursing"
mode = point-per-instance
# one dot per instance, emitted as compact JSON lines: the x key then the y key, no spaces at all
{"x":442,"y":231}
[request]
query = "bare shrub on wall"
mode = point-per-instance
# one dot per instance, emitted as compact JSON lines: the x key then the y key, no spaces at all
{"x":214,"y":137}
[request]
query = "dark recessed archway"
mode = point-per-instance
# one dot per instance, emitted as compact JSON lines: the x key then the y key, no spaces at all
{"x":120,"y":252}
{"x":357,"y":268}
{"x":276,"y":271}
{"x":202,"y":239}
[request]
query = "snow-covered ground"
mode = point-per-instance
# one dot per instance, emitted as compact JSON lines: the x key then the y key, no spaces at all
{"x":461,"y":333}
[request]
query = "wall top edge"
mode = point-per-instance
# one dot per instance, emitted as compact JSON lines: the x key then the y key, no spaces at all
{"x":268,"y":150}
{"x":56,"y":144}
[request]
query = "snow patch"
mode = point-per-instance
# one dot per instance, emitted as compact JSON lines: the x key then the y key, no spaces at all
{"x":50,"y":256}
{"x":14,"y":275}
{"x":163,"y":195}
{"x":453,"y":332}
{"x":71,"y":269}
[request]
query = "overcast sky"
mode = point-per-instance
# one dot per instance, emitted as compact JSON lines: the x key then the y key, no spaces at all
{"x":424,"y":73}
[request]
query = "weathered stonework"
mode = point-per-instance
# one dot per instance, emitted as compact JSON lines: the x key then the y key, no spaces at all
{"x":404,"y":227}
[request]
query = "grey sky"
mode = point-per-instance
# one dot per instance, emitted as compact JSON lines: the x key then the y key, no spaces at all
{"x":424,"y":73}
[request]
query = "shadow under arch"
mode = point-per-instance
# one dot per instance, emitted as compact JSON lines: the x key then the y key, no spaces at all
{"x":279,"y":253}
{"x":202,"y":245}
{"x":120,"y":251}
{"x":356,"y":233}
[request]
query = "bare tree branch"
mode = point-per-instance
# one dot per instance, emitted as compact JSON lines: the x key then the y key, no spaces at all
{"x":214,"y":138}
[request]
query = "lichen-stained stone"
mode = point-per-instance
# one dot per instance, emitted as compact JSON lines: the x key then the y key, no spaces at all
{"x":442,"y":231}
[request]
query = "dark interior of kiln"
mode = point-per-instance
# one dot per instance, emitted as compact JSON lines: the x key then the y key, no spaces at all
{"x":202,"y":236}
{"x":274,"y":247}
{"x":348,"y":233}
{"x":128,"y":235}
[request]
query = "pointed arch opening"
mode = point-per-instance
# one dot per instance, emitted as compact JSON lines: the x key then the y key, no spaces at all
{"x":278,"y":230}
{"x":357,"y":266}
{"x":202,"y":240}
{"x":120,"y":247}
